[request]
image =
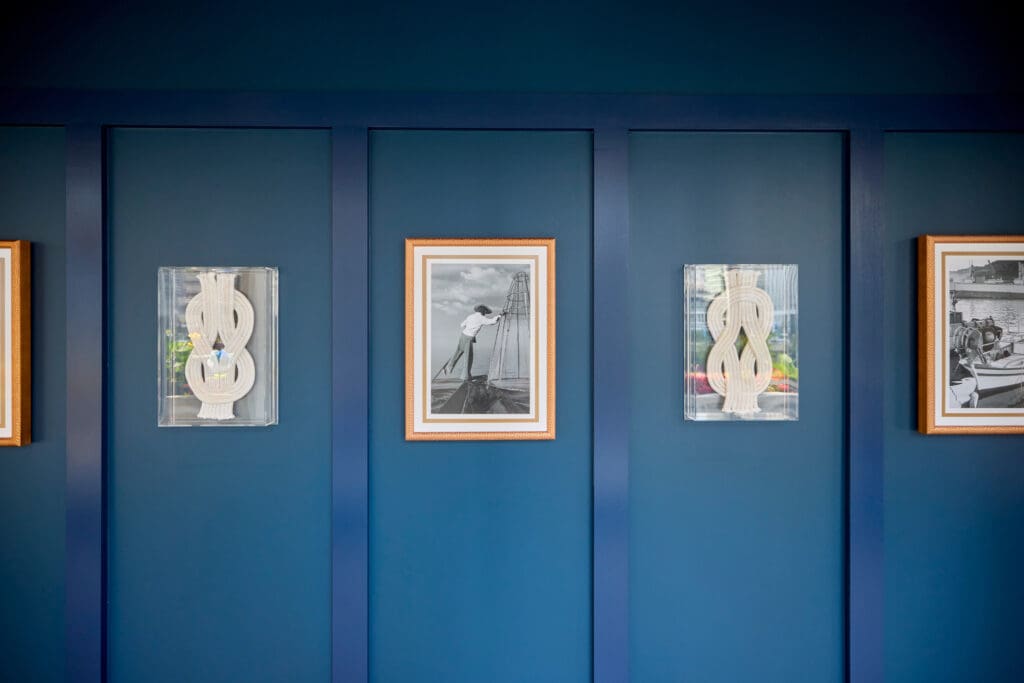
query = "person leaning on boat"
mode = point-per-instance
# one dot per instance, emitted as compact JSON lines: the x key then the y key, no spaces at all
{"x":471,"y":326}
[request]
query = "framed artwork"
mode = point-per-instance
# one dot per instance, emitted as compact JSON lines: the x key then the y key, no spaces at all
{"x":971,"y":334}
{"x":479,"y":339}
{"x":741,"y":342}
{"x":217,"y":347}
{"x":15,"y":344}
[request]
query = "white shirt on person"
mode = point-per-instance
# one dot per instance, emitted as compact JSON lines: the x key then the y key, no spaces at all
{"x":471,"y":325}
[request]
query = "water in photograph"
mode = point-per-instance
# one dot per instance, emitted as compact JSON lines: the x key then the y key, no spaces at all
{"x":1007,"y":314}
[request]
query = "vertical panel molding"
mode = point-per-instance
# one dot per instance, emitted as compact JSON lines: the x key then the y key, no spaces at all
{"x":611,"y":406}
{"x":84,"y":534}
{"x":349,"y":405}
{"x":865,"y":595}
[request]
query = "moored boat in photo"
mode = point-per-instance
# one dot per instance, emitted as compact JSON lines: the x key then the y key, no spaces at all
{"x":986,"y":364}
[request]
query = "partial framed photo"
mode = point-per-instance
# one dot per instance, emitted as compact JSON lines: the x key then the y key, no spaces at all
{"x":971,"y":334}
{"x":15,"y":344}
{"x":741,"y":342}
{"x":480,"y":339}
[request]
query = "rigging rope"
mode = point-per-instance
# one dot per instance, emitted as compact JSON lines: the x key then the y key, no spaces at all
{"x":506,"y":352}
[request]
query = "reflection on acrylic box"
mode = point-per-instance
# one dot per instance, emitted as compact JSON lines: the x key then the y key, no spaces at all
{"x":741,"y":342}
{"x":217,"y":346}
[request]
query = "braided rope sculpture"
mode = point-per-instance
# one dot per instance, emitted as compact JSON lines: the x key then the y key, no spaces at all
{"x":219,"y":369}
{"x":740,"y":377}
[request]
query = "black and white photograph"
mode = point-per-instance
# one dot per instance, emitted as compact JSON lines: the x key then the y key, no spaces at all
{"x":974,"y":378}
{"x":482,"y":314}
{"x":480,"y":338}
{"x":986,"y":341}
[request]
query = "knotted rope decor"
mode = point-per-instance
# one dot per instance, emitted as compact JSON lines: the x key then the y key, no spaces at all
{"x":740,"y":377}
{"x":219,"y":369}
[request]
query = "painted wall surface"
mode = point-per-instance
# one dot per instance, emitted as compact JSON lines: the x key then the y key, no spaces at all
{"x":736,"y":534}
{"x":219,"y":546}
{"x":219,"y":538}
{"x":32,"y":477}
{"x":954,"y":505}
{"x":480,"y":551}
{"x":871,"y":46}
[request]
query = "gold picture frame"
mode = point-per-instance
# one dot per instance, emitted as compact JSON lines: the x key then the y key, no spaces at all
{"x":447,"y":280}
{"x":971,"y":334}
{"x":15,"y":344}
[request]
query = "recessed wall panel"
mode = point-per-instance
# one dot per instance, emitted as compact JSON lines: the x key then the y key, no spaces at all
{"x":954,"y":505}
{"x":218,"y":539}
{"x":480,"y":551}
{"x":32,"y":476}
{"x":736,"y":528}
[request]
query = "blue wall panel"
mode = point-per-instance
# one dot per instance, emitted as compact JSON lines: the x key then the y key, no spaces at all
{"x":32,"y":477}
{"x":736,"y":563}
{"x":480,"y":551}
{"x":219,"y":539}
{"x":954,"y":505}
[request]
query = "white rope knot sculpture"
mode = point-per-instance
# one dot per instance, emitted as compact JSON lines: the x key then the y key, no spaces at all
{"x":740,"y":377}
{"x":220,"y":369}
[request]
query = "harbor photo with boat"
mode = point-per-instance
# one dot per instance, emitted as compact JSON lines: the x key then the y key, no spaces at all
{"x":986,"y":332}
{"x":973,"y":378}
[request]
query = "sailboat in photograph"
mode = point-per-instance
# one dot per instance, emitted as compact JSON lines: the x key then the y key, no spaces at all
{"x":506,"y":386}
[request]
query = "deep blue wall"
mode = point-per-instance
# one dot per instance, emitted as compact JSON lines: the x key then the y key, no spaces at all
{"x":954,"y":505}
{"x":32,"y":477}
{"x":736,"y":534}
{"x":219,"y":539}
{"x":603,"y":46}
{"x":480,"y":551}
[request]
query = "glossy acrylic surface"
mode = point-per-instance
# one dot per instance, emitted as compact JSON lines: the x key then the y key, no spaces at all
{"x":219,"y":360}
{"x":753,"y":342}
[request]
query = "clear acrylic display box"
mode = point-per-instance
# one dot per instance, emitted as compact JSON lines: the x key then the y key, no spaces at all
{"x":741,"y":342}
{"x":217,"y":346}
